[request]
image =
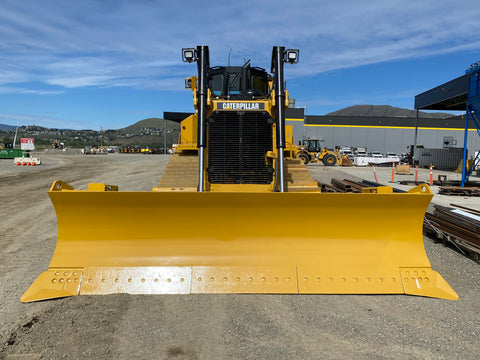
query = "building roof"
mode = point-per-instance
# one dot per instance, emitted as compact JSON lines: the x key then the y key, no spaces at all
{"x":454,"y":122}
{"x":452,"y":95}
{"x":176,"y":116}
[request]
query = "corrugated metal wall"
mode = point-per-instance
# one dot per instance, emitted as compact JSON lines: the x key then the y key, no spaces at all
{"x":390,"y":139}
{"x":445,"y":159}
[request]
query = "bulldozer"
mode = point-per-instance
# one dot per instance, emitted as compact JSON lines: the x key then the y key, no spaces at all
{"x":235,"y":200}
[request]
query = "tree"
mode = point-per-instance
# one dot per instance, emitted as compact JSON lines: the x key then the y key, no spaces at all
{"x":7,"y":140}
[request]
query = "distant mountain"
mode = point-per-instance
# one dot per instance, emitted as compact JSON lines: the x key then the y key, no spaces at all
{"x":385,"y":111}
{"x":4,"y":127}
{"x":151,"y":123}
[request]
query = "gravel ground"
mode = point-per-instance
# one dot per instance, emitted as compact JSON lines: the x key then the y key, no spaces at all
{"x":210,"y":326}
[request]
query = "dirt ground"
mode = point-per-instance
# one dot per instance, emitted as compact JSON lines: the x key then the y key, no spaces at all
{"x":210,"y":326}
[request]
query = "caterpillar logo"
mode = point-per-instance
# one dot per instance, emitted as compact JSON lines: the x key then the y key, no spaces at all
{"x":240,"y":106}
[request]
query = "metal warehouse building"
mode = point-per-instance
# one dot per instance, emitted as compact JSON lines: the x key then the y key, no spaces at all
{"x":384,"y":134}
{"x":395,"y":134}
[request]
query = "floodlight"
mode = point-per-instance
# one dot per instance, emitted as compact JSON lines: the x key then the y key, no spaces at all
{"x":189,"y":55}
{"x":291,"y":56}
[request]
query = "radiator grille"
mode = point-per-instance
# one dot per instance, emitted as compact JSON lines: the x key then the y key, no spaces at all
{"x":237,"y":144}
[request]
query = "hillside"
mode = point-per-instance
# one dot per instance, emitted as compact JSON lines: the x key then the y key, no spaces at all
{"x":150,"y":132}
{"x":147,"y":132}
{"x":385,"y":111}
{"x":4,"y":127}
{"x":150,"y":123}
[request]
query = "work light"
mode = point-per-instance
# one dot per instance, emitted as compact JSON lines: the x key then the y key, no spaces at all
{"x":291,"y":56}
{"x":189,"y":55}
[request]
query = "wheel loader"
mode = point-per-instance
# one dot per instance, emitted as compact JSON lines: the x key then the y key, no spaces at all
{"x":234,"y":200}
{"x":312,"y":151}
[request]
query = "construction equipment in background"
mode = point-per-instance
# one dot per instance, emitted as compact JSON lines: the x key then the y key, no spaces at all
{"x":140,"y":149}
{"x":224,"y":217}
{"x":460,"y":165}
{"x":130,"y":149}
{"x":58,"y":145}
{"x":312,"y":151}
{"x":87,"y":150}
{"x":102,"y":150}
{"x":92,"y":150}
{"x":345,"y":160}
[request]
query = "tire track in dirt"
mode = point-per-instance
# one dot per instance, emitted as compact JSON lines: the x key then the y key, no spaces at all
{"x":26,"y":250}
{"x":75,"y":328}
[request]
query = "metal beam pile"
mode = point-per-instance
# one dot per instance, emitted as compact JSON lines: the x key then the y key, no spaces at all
{"x":459,"y":191}
{"x":347,"y":185}
{"x":459,"y":226}
{"x":344,"y":185}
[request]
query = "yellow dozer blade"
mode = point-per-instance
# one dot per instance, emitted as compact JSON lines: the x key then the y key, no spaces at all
{"x":208,"y":242}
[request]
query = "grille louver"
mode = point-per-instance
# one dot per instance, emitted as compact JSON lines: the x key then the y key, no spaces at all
{"x":237,"y":144}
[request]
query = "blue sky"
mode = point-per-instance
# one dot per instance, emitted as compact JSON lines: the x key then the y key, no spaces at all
{"x":92,"y":64}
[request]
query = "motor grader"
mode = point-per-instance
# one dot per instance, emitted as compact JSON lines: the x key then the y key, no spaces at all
{"x":233,"y":202}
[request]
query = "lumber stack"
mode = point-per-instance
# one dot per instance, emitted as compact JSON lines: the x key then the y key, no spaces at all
{"x":458,"y":225}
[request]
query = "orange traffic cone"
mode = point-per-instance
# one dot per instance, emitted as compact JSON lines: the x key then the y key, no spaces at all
{"x":375,"y":174}
{"x":431,"y":175}
{"x":393,"y":173}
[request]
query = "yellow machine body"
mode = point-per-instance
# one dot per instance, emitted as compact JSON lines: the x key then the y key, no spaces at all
{"x":227,"y":242}
{"x":237,"y":231}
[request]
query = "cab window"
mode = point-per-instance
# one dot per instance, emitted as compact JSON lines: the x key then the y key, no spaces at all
{"x":216,"y":85}
{"x":234,"y":84}
{"x":259,"y":84}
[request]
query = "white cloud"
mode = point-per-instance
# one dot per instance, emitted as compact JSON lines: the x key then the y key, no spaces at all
{"x":137,"y":44}
{"x":19,"y":90}
{"x":78,"y":81}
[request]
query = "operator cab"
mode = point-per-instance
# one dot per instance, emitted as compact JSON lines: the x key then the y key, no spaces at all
{"x":238,"y":82}
{"x":312,"y":145}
